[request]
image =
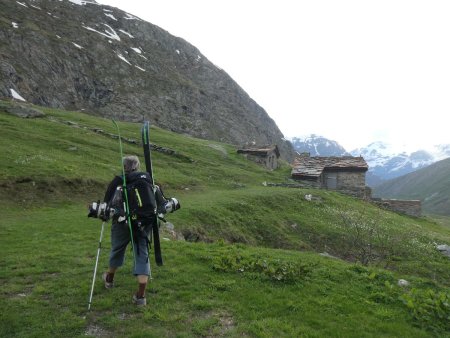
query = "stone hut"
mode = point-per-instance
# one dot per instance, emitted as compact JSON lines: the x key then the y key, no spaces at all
{"x":266,"y":156}
{"x":346,"y":174}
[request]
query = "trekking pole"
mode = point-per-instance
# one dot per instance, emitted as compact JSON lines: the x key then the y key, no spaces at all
{"x":96,"y":263}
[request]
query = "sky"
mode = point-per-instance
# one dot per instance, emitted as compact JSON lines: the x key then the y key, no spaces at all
{"x":352,"y":71}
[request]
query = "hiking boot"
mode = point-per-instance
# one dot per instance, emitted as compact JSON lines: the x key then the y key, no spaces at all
{"x":139,"y":301}
{"x":108,"y":285}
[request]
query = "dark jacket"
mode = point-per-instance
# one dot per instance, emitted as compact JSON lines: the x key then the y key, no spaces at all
{"x":116,"y":182}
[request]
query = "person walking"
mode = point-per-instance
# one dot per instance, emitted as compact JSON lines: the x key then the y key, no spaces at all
{"x":121,"y":234}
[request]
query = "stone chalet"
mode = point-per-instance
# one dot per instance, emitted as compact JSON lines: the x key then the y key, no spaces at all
{"x":346,"y":174}
{"x":267,"y":156}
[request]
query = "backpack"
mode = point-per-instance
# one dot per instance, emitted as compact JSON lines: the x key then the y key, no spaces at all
{"x":141,"y":196}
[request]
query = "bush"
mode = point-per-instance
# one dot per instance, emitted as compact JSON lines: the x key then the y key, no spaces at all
{"x":430,"y":309}
{"x":274,"y":270}
{"x":371,"y":239}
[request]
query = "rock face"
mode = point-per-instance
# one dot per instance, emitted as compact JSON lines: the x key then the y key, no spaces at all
{"x":80,"y":55}
{"x":22,"y":110}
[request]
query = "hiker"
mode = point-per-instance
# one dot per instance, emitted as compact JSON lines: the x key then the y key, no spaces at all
{"x":120,"y":234}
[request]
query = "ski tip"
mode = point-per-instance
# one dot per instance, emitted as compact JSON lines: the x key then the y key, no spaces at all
{"x":145,"y":126}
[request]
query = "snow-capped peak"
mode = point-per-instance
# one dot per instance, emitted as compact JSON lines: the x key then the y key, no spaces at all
{"x":385,"y":161}
{"x":440,"y":151}
{"x":317,"y":145}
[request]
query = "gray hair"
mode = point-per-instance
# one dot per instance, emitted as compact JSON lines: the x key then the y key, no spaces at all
{"x":131,"y":163}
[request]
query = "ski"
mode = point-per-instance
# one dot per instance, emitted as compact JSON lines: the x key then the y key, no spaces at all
{"x":145,"y":133}
{"x":125,"y":202}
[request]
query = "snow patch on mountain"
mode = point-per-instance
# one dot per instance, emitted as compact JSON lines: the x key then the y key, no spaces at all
{"x":440,"y":151}
{"x":109,"y":32}
{"x":83,"y":2}
{"x":110,"y":16}
{"x":16,"y":95}
{"x":380,"y":153}
{"x":386,"y":162}
{"x":317,"y":145}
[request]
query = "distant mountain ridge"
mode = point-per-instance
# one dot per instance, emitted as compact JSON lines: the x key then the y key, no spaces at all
{"x":317,"y":145}
{"x":80,"y":55}
{"x":431,"y":185}
{"x":384,"y":163}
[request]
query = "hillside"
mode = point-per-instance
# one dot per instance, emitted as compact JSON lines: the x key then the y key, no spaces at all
{"x":101,"y":60}
{"x":241,"y":258}
{"x":430,"y":184}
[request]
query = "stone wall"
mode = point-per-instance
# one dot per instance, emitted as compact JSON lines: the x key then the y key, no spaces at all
{"x":272,"y":161}
{"x":408,"y":207}
{"x":353,"y":180}
{"x":269,"y":161}
{"x":347,"y":182}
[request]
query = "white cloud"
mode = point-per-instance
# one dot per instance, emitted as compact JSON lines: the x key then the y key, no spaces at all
{"x":353,"y":71}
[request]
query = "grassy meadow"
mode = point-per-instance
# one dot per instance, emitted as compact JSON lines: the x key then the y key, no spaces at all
{"x":243,"y":259}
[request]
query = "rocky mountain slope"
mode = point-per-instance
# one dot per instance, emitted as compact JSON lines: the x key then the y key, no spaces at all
{"x":80,"y":55}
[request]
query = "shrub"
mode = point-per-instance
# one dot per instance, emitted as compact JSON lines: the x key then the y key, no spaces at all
{"x":429,"y":309}
{"x":274,"y":270}
{"x":373,"y":239}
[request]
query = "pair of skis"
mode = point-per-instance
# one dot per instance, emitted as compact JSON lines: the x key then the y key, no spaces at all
{"x":145,"y":134}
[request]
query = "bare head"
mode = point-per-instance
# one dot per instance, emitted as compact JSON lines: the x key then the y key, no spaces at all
{"x":131,"y":163}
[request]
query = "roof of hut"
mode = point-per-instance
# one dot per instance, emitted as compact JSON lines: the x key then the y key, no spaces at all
{"x":262,"y":151}
{"x":314,"y":166}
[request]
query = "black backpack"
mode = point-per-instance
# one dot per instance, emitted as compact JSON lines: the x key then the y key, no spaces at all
{"x":141,"y":196}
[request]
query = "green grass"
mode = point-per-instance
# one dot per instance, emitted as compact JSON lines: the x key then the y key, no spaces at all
{"x":46,"y":282}
{"x":250,"y":265}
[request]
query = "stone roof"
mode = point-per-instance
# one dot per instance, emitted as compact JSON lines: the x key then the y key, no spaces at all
{"x":313,"y":167}
{"x":263,"y":151}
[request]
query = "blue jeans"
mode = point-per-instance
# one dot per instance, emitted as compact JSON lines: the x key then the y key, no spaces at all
{"x":120,"y":237}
